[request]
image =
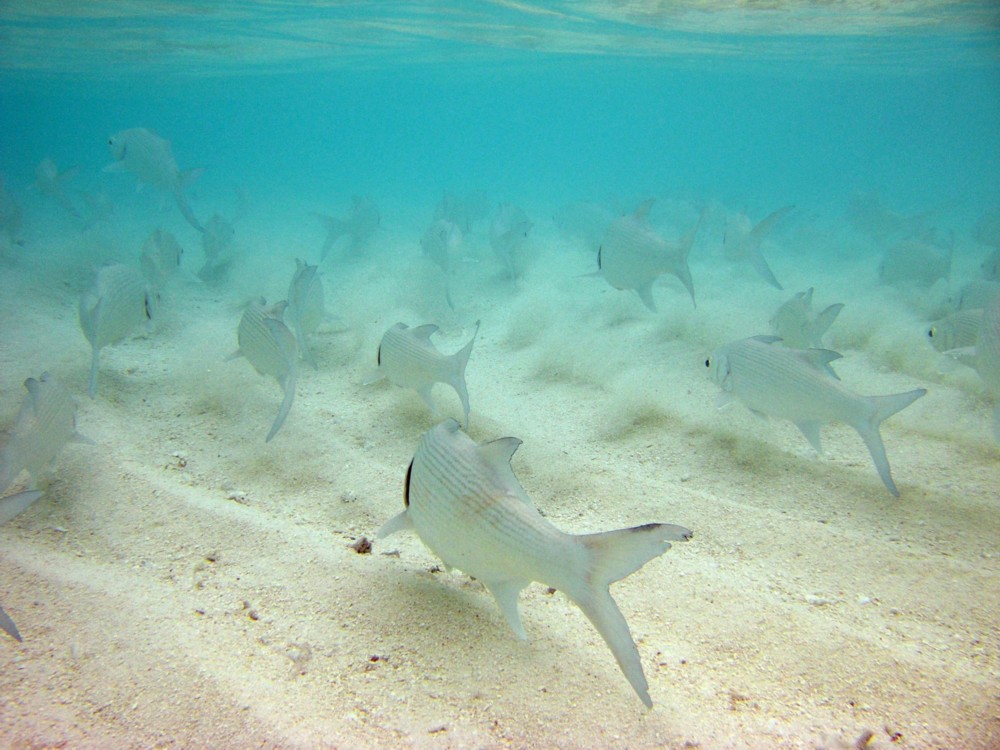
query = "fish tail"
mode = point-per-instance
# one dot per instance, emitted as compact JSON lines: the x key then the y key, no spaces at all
{"x":683,"y":271}
{"x":460,"y":360}
{"x":14,"y":504}
{"x":884,"y":407}
{"x":335,"y":229}
{"x":825,"y":319}
{"x":8,"y":626}
{"x":92,"y":383}
{"x":614,"y":555}
{"x":300,"y":336}
{"x":286,"y":405}
{"x":182,"y":204}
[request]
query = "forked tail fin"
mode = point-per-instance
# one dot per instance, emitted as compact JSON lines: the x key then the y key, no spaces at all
{"x":885,"y":407}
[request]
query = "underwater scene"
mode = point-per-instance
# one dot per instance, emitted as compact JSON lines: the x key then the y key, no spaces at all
{"x":500,"y":375}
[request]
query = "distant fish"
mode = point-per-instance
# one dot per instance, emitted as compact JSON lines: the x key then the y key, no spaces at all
{"x":508,"y":230}
{"x":219,"y":248}
{"x":583,"y":223}
{"x":10,"y":215}
{"x":49,"y":180}
{"x":270,"y":347}
{"x":977,"y":294}
{"x":799,"y":385}
{"x":408,"y":359}
{"x":463,"y":211}
{"x":868,"y":213}
{"x":160,"y":257}
{"x":742,"y":241}
{"x":114,"y":306}
{"x":441,"y":243}
{"x":148,"y":157}
{"x":45,"y":423}
{"x":916,"y":262}
{"x":98,"y":207}
{"x":305,"y":305}
{"x":633,"y":255}
{"x":467,"y":506}
{"x":358,"y":226}
{"x":987,"y":228}
{"x":798,"y":326}
{"x":991,"y":266}
{"x":956,"y":331}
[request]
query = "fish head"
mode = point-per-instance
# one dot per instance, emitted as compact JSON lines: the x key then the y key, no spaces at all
{"x":719,"y":368}
{"x":117,"y":146}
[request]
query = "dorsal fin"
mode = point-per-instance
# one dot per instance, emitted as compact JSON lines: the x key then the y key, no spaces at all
{"x":499,"y":452}
{"x":821,"y":359}
{"x":642,"y":212}
{"x":425,"y":331}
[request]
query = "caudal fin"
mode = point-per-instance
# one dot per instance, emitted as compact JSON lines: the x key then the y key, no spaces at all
{"x":286,"y":404}
{"x":457,"y":379}
{"x":614,"y":555}
{"x":752,"y":246}
{"x":182,"y":204}
{"x":885,"y":407}
{"x":682,"y":271}
{"x":8,"y":626}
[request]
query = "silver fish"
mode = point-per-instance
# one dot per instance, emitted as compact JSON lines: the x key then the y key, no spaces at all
{"x":869,"y":214}
{"x":219,"y":248}
{"x":633,"y":255}
{"x":985,"y":357}
{"x":149,"y":157}
{"x":49,"y":180}
{"x":305,"y":305}
{"x":160,"y":257}
{"x":45,"y":423}
{"x":991,"y":266}
{"x":508,"y":230}
{"x":956,"y":331}
{"x":916,"y":262}
{"x":977,"y":294}
{"x":358,"y":226}
{"x":467,"y":506}
{"x":463,"y":211}
{"x":270,"y":347}
{"x":798,"y":326}
{"x":408,"y":359}
{"x":440,"y":243}
{"x":799,"y":385}
{"x":742,"y":241}
{"x":116,"y":303}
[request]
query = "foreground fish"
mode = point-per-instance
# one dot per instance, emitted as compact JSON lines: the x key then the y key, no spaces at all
{"x":358,"y":226}
{"x":408,"y":359}
{"x":508,"y":231}
{"x":467,"y":506}
{"x":742,"y":241}
{"x":114,"y":306}
{"x":160,"y":257}
{"x":49,"y":180}
{"x":956,"y":331}
{"x":800,"y":386}
{"x":45,"y":423}
{"x":440,"y":243}
{"x":632,"y":255}
{"x":798,"y":326}
{"x":270,"y":347}
{"x":148,"y":156}
{"x":305,"y":305}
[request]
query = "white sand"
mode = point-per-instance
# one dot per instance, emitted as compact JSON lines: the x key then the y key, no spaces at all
{"x":184,"y":584}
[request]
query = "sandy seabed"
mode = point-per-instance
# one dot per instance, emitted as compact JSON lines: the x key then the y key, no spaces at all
{"x":183,"y":584}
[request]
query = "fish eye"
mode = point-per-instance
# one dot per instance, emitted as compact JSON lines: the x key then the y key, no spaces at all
{"x":708,"y":362}
{"x":931,"y":332}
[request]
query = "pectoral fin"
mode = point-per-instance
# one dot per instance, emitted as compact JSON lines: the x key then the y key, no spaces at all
{"x":506,"y":593}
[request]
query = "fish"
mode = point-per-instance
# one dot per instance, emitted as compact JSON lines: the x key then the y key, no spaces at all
{"x":49,"y":180}
{"x":742,"y":241}
{"x":916,"y":262}
{"x":305,"y":305}
{"x":219,"y":248}
{"x":991,"y":266}
{"x":632,"y":255}
{"x":160,"y":257}
{"x":407,"y":358}
{"x":508,"y":230}
{"x":977,"y":294}
{"x":463,"y":211}
{"x":984,"y":356}
{"x":583,"y":223}
{"x":441,"y":243}
{"x":868,"y":214}
{"x":799,"y":385}
{"x":467,"y":506}
{"x":45,"y":422}
{"x":956,"y":331}
{"x":798,"y":326}
{"x":270,"y":348}
{"x":358,"y":226}
{"x":11,"y":217}
{"x":115,"y":304}
{"x":8,"y":626}
{"x":150,"y":158}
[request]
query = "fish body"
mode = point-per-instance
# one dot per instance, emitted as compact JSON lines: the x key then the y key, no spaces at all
{"x":800,"y":386}
{"x":743,"y":240}
{"x":977,"y":294}
{"x":270,"y":348}
{"x":441,"y":243}
{"x":956,"y":331}
{"x":799,"y":326}
{"x":508,"y":230}
{"x":468,"y":507}
{"x":408,"y":358}
{"x":632,"y":255}
{"x":45,"y":423}
{"x":359,"y":225}
{"x":463,"y":211}
{"x":306,"y":305}
{"x":114,"y":306}
{"x":49,"y":180}
{"x":150,"y":158}
{"x":160,"y":257}
{"x":219,"y":248}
